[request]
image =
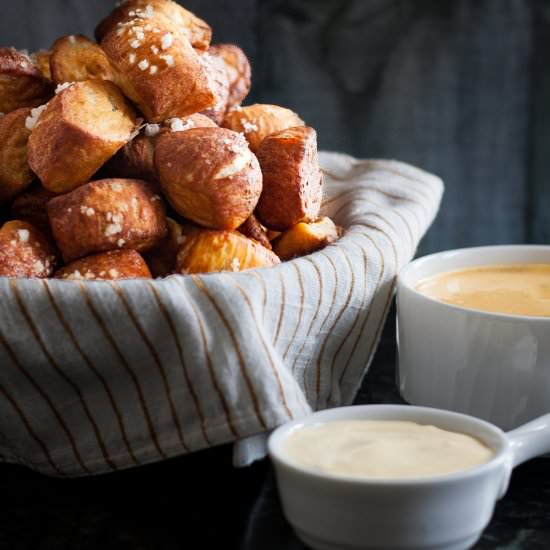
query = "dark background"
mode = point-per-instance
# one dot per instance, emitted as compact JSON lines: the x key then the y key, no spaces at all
{"x":458,"y":87}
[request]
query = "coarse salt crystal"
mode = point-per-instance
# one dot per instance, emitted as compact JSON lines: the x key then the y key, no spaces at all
{"x":87,"y":210}
{"x":32,"y":119}
{"x":155,"y":198}
{"x":120,"y":243}
{"x":178,"y":125}
{"x":150,"y":131}
{"x":154,"y":49}
{"x":64,"y":86}
{"x":90,"y":275}
{"x":248,"y":126}
{"x":118,"y":218}
{"x":23,"y":235}
{"x":153,"y":70}
{"x":38,"y":266}
{"x":113,"y":273}
{"x":169,"y":60}
{"x":132,"y":58}
{"x":143,"y":64}
{"x":235,"y":264}
{"x":112,"y":229}
{"x":167,"y":41}
{"x":116,"y":186}
{"x":72,"y":39}
{"x":135,"y":44}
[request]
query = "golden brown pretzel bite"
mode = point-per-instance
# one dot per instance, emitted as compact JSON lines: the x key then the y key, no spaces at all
{"x":293,"y":181}
{"x":204,"y":251}
{"x":258,"y":121}
{"x":24,"y":251}
{"x":238,"y":70}
{"x":21,"y":83}
{"x":209,"y":175}
{"x":305,"y":238}
{"x":158,"y":69}
{"x":115,"y":264}
{"x":15,"y":173}
{"x":253,"y":229}
{"x":77,"y":58}
{"x":30,"y":206}
{"x":218,"y":77}
{"x":162,"y":258}
{"x":106,"y":215}
{"x":41,"y":60}
{"x":79,"y":130}
{"x":195,"y":30}
{"x":136,"y":158}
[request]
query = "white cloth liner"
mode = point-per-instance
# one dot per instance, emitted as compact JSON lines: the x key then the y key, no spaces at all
{"x":102,"y":376}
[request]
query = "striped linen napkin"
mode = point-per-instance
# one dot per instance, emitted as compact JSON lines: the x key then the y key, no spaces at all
{"x":101,"y":376}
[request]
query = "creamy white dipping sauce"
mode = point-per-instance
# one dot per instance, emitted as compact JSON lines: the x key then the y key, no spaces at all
{"x":384,"y":449}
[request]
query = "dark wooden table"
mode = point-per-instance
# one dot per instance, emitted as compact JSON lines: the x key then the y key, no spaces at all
{"x":200,"y":501}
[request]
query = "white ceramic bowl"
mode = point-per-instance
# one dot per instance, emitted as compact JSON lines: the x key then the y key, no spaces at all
{"x":493,"y":366}
{"x":449,"y":512}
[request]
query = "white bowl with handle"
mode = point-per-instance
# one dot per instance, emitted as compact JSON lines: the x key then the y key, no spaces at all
{"x":490,"y":365}
{"x":335,"y":512}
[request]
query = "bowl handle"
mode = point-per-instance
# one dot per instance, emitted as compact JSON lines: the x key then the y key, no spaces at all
{"x":530,"y":440}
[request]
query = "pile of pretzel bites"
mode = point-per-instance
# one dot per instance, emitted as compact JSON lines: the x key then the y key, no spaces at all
{"x":133,"y":156}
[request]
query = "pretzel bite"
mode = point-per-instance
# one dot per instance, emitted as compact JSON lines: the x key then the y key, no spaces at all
{"x":253,"y":229}
{"x":30,"y":206}
{"x":258,"y":121}
{"x":293,"y":181}
{"x":238,"y":70}
{"x":24,"y":251}
{"x":195,"y":30}
{"x":158,"y":69}
{"x":209,"y":176}
{"x":162,"y":259}
{"x":204,"y":251}
{"x":107,"y":266}
{"x":21,"y":84}
{"x":218,"y":76}
{"x":106,"y":215}
{"x":305,"y":238}
{"x":15,"y":173}
{"x":41,"y":60}
{"x":80,"y":128}
{"x":77,"y":58}
{"x":136,"y":158}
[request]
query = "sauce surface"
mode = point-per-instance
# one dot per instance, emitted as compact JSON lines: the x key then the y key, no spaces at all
{"x":514,"y":289}
{"x":384,"y":449}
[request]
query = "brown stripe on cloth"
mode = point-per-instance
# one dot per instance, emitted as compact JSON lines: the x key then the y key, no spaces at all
{"x":106,"y":332}
{"x":368,"y":311}
{"x":156,"y":360}
{"x":68,"y":381}
{"x":311,"y":324}
{"x":212,"y":372}
{"x":168,"y":318}
{"x":267,"y":352}
{"x":327,"y":316}
{"x":87,"y":360}
{"x":357,"y":316}
{"x":378,"y":215}
{"x":386,"y":306}
{"x":246,"y":377}
{"x":281,"y":309}
{"x":300,"y":311}
{"x":19,"y":410}
{"x":337,"y":320}
{"x":264,"y":289}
